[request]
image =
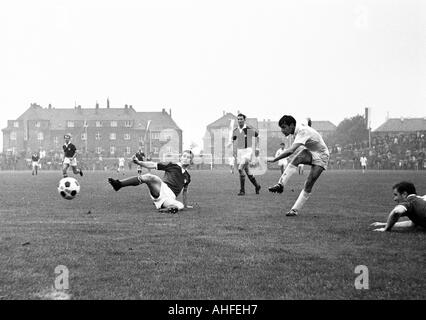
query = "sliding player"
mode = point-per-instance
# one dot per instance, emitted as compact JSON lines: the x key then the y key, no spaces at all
{"x":164,"y":191}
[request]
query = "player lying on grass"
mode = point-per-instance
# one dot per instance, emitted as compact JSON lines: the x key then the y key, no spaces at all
{"x":409,"y":205}
{"x":308,"y":148}
{"x":163,"y":191}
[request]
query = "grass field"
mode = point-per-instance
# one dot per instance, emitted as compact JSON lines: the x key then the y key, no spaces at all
{"x":116,"y":246}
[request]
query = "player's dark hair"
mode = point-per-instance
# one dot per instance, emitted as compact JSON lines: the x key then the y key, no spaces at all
{"x":288,"y":120}
{"x":405,"y":186}
{"x":191,"y":153}
{"x":241,"y":115}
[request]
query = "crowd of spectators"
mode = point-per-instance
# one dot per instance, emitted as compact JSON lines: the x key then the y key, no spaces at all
{"x":387,"y":152}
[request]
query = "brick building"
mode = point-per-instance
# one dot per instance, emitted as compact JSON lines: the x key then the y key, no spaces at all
{"x":110,"y":132}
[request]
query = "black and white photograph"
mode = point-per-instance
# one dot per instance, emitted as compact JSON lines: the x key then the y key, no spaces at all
{"x":220,"y":152}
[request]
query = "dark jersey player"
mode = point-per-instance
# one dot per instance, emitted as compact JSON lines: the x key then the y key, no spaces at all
{"x":244,"y":150}
{"x":35,"y":159}
{"x":164,"y":191}
{"x":409,"y":205}
{"x":70,"y":153}
{"x":140,"y":156}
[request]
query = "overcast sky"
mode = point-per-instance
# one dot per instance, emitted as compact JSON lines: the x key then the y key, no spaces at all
{"x":324,"y":59}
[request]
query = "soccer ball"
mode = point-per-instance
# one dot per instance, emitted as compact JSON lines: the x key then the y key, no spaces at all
{"x":68,"y":188}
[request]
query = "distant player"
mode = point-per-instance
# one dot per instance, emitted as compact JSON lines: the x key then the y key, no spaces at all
{"x":140,"y":156}
{"x":283,"y":162}
{"x":70,"y":153}
{"x":35,"y":161}
{"x":121,"y":162}
{"x":164,"y":191}
{"x":363,"y":161}
{"x":313,"y":151}
{"x":409,"y":205}
{"x":242,"y":139}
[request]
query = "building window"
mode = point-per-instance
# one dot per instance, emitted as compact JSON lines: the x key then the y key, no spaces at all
{"x":113,"y":123}
{"x":55,"y":140}
{"x":155,"y":135}
{"x":83,"y":136}
{"x":155,"y":150}
{"x":16,"y":124}
{"x":37,"y":124}
{"x":128,"y":150}
{"x":98,"y":124}
{"x":127,"y":136}
{"x":70,"y":124}
{"x":40,"y":136}
{"x":141,"y":139}
{"x":98,"y":136}
{"x":13,"y":135}
{"x":85,"y":124}
{"x":112,"y":150}
{"x":128,"y":124}
{"x":112,"y":136}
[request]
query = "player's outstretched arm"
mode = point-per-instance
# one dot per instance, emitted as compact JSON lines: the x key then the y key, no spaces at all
{"x":287,"y":152}
{"x":185,"y":199}
{"x":393,"y":218}
{"x":145,"y":164}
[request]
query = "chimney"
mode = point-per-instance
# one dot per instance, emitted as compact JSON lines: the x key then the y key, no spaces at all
{"x":107,"y":103}
{"x":163,"y":111}
{"x":126,"y":108}
{"x":50,"y":106}
{"x":170,"y":112}
{"x":96,"y":108}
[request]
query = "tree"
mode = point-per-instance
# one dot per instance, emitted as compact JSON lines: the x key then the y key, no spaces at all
{"x":350,"y":130}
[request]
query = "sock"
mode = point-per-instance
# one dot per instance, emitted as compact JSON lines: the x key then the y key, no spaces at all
{"x":252,"y":180}
{"x":242,"y":182}
{"x":133,"y":181}
{"x":288,"y":172}
{"x":303,"y":197}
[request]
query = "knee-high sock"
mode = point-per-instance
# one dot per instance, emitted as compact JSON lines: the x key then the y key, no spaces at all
{"x":132,"y":181}
{"x":242,"y":180}
{"x":303,"y":197}
{"x":288,"y":172}
{"x":252,"y":179}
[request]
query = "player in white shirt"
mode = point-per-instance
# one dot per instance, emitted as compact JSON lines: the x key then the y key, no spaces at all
{"x":283,"y":162}
{"x":313,"y":151}
{"x":363,"y":161}
{"x":121,"y":161}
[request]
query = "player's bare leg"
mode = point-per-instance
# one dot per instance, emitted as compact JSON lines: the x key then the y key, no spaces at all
{"x":303,"y":157}
{"x":77,"y":171}
{"x":241,"y":169}
{"x":252,"y":179}
{"x":65,"y":167}
{"x":306,"y":192}
{"x":153,"y":182}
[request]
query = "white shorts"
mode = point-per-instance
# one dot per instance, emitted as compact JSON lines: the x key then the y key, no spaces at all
{"x":72,"y":162}
{"x":231,"y":161}
{"x":244,"y":155}
{"x":166,"y":198}
{"x":282,"y":162}
{"x":35,"y":164}
{"x":318,"y":158}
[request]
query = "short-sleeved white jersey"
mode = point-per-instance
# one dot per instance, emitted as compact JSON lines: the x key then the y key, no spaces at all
{"x":310,"y":138}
